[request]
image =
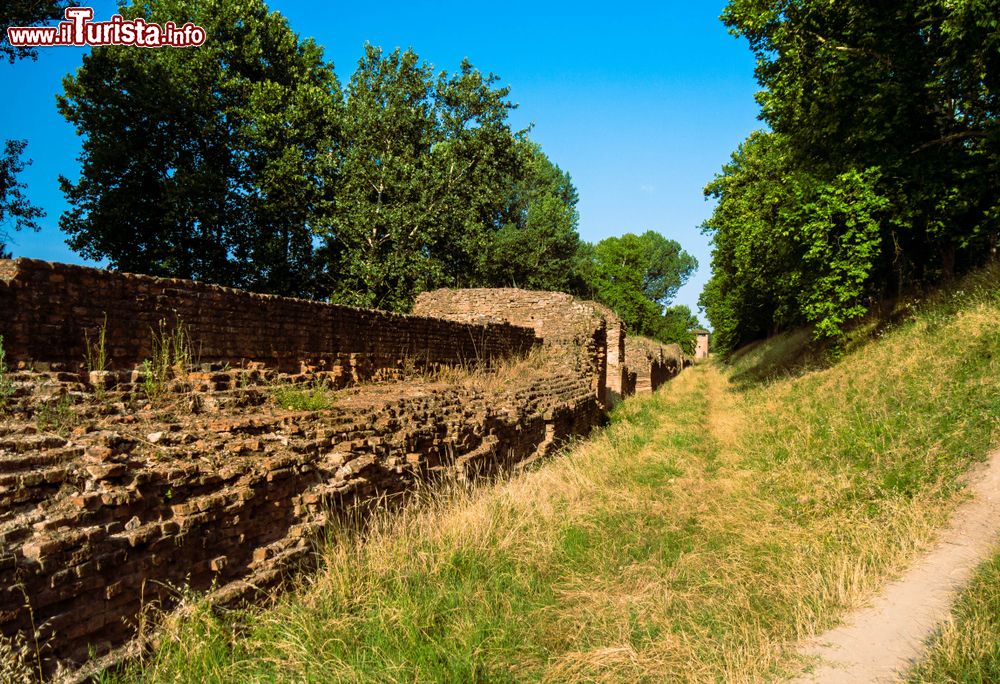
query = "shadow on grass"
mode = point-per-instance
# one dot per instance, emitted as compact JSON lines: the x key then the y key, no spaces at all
{"x":787,"y":354}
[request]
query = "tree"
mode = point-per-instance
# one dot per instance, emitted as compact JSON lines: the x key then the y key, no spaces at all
{"x":27,"y":13}
{"x":879,"y":169}
{"x":425,"y":164}
{"x":537,"y":245}
{"x":677,"y":326}
{"x":789,"y":248}
{"x":216,"y":163}
{"x":13,"y":203}
{"x":638,"y":275}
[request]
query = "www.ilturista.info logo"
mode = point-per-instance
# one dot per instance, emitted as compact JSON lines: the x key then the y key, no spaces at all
{"x":79,"y":30}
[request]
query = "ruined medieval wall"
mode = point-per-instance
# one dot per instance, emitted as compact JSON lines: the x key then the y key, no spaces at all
{"x":100,"y":520}
{"x":589,"y":330}
{"x":46,"y":309}
{"x":620,"y":378}
{"x":652,"y":362}
{"x":96,"y":526}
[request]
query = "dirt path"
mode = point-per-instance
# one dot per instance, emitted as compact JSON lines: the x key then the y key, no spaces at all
{"x":878,"y":643}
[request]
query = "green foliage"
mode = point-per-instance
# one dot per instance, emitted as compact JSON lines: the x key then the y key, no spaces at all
{"x":96,"y":351}
{"x":27,"y":13}
{"x":6,"y":386}
{"x":294,"y":398}
{"x":426,"y":161}
{"x":676,"y":325}
{"x":840,"y":231}
{"x":56,"y":416}
{"x":171,"y":356}
{"x":215,"y":163}
{"x":879,"y":172}
{"x":789,"y":249}
{"x":14,"y":205}
{"x":243,"y":163}
{"x":637,"y":276}
{"x":538,"y":245}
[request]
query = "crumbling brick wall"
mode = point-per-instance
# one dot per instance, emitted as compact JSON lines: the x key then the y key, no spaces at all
{"x":559,"y":319}
{"x":47,"y":309}
{"x":99,"y":521}
{"x":621,"y":377}
{"x":97,"y":525}
{"x":652,"y":362}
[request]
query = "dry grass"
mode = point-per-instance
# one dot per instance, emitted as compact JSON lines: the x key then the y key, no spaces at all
{"x":498,"y":375}
{"x":698,"y":538}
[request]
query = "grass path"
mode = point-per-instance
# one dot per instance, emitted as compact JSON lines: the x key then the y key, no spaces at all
{"x":881,"y":642}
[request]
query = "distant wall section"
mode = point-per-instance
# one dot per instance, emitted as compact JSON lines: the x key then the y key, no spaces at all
{"x":591,"y":333}
{"x":654,"y":363}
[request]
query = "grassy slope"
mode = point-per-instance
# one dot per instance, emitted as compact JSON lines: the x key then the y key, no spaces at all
{"x":698,"y":537}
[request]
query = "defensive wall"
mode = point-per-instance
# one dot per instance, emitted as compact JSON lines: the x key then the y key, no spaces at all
{"x":46,"y":309}
{"x":654,"y":362}
{"x":112,"y":498}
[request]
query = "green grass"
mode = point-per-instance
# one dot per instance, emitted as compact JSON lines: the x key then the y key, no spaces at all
{"x":699,"y":537}
{"x":172,"y":356}
{"x":6,"y":386}
{"x":967,"y":647}
{"x":56,"y":415}
{"x":316,"y":397}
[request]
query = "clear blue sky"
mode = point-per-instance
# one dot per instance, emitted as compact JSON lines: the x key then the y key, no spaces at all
{"x":641,"y":102}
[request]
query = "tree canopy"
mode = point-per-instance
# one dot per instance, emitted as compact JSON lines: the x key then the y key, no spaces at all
{"x":27,"y":13}
{"x":537,"y":246}
{"x":638,"y":276}
{"x":14,"y":204}
{"x":215,"y":163}
{"x":878,"y":173}
{"x":425,"y":159}
{"x":244,"y":162}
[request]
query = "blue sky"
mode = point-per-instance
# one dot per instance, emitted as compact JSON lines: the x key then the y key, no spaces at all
{"x":641,"y":102}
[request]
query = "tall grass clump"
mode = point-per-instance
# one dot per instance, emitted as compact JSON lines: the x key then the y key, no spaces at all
{"x":6,"y":385}
{"x":317,"y":397}
{"x":96,"y":351}
{"x":699,"y":537}
{"x":497,"y":374}
{"x":172,"y":355}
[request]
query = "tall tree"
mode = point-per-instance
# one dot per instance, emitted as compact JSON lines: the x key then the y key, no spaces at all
{"x":14,"y":205}
{"x":638,"y":275}
{"x":537,"y":244}
{"x":677,"y":325}
{"x":789,"y":248}
{"x":216,"y":162}
{"x":879,"y":171}
{"x":425,"y":163}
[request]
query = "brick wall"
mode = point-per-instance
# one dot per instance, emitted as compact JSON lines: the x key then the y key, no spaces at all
{"x":47,"y":309}
{"x":95,"y":526}
{"x":589,"y":330}
{"x":99,"y":521}
{"x":652,"y":362}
